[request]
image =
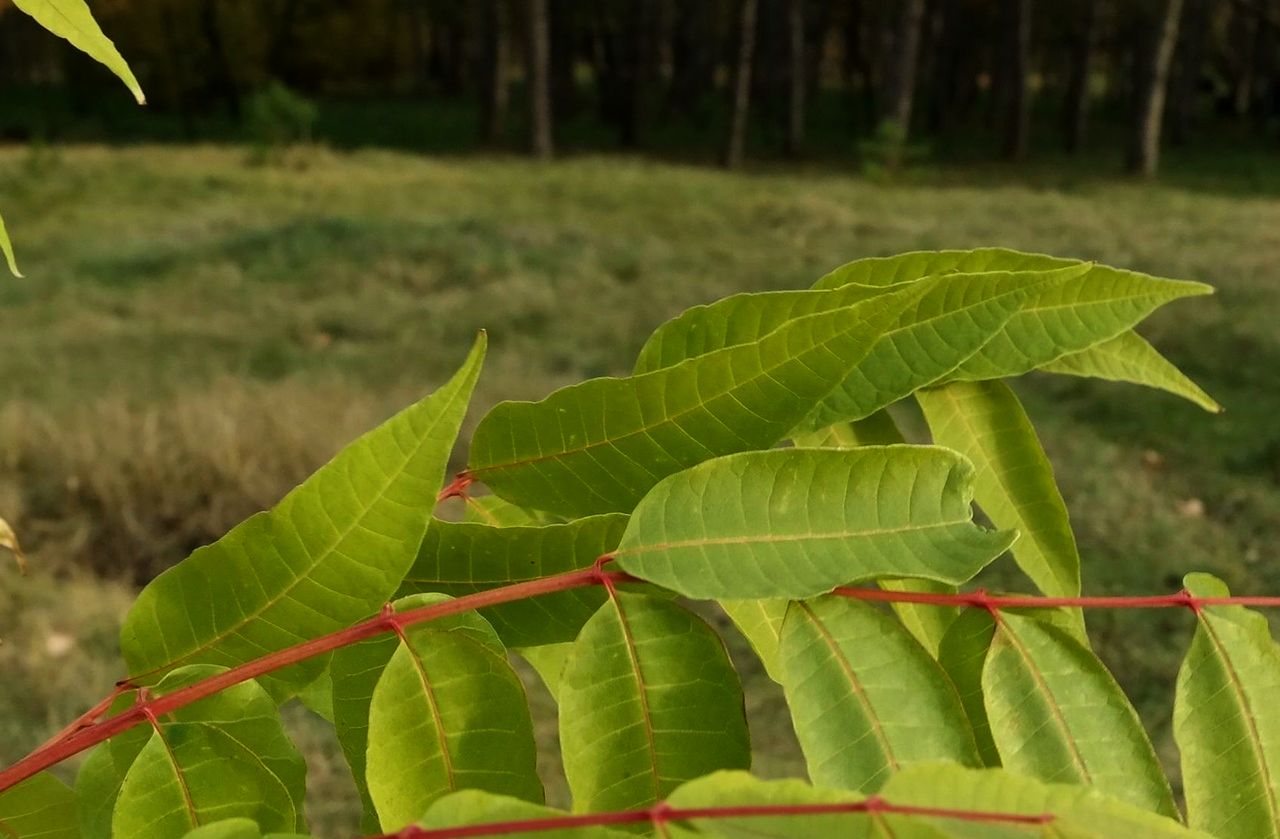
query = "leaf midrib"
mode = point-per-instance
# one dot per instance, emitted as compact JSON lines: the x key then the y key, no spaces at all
{"x":769,"y":539}
{"x":646,"y":712}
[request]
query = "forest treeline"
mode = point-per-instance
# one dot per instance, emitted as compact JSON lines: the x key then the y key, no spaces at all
{"x":755,"y":74}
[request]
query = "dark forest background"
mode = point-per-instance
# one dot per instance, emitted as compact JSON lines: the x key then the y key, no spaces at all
{"x":887,"y":82}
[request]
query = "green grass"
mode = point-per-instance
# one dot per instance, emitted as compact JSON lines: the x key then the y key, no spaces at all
{"x":196,"y":334}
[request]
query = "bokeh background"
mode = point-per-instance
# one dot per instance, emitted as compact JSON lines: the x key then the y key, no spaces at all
{"x":324,"y":200}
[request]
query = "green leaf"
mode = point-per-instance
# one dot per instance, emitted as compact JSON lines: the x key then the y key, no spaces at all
{"x":41,"y":807}
{"x":1129,"y":358}
{"x":236,"y":829}
{"x":738,"y":789}
{"x":1057,"y":320}
{"x":473,"y":807}
{"x":1057,"y":714}
{"x":6,"y":247}
{"x":102,"y":774}
{"x":460,"y":558}
{"x":548,"y":662}
{"x":1079,"y":812}
{"x":795,"y":523}
{"x":986,"y":423}
{"x":648,"y":700}
{"x":71,"y":19}
{"x":760,"y":622}
{"x":496,"y":512}
{"x":443,"y":711}
{"x":963,"y":654}
{"x":866,"y":699}
{"x":333,"y":551}
{"x":599,"y":446}
{"x":1227,"y":721}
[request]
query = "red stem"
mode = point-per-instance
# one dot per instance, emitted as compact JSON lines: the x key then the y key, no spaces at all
{"x":95,"y":733}
{"x":661,"y":813}
{"x":457,"y":488}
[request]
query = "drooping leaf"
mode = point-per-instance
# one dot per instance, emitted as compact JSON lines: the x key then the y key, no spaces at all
{"x":795,"y":523}
{"x":333,"y":551}
{"x":1129,"y":358}
{"x":6,"y":247}
{"x":648,"y":700}
{"x":71,"y":19}
{"x":474,"y":807}
{"x":461,"y":558}
{"x":1227,"y":721}
{"x":1057,"y":714}
{"x":41,"y":807}
{"x":760,"y":622}
{"x":599,"y":446}
{"x":866,"y":699}
{"x":963,"y":654}
{"x":443,"y":711}
{"x":927,"y":622}
{"x":1059,"y":319}
{"x":1014,"y":483}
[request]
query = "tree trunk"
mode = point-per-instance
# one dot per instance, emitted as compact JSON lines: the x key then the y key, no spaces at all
{"x":1075,"y":109}
{"x":495,"y":97}
{"x":797,"y":76}
{"x":1144,"y":149}
{"x":902,"y":69}
{"x":1017,"y":115}
{"x":1184,"y":90}
{"x":223,"y":76}
{"x":741,"y":101}
{"x":693,"y":59}
{"x":538,"y":57}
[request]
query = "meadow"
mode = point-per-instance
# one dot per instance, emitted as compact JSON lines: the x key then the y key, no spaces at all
{"x":196,"y":334}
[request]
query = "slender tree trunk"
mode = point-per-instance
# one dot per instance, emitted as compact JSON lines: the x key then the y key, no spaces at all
{"x":1017,"y":116}
{"x":797,"y":76}
{"x":538,"y":57}
{"x":1144,"y":149}
{"x":902,"y":69}
{"x":1184,"y":88}
{"x":495,"y":96}
{"x":564,"y":55}
{"x":741,"y":102}
{"x":224,"y":80}
{"x":1075,"y":109}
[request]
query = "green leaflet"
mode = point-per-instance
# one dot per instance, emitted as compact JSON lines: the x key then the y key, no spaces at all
{"x":71,"y":19}
{"x":101,"y":775}
{"x":495,"y":512}
{"x":442,"y":712}
{"x":927,"y":622}
{"x":866,"y":699}
{"x":236,"y":829}
{"x":648,"y":700}
{"x":471,"y":807}
{"x":1079,"y":812}
{"x":986,"y":423}
{"x":1129,"y":358}
{"x":6,"y":247}
{"x":1057,"y":714}
{"x":796,"y":523}
{"x":1058,"y":319}
{"x":459,"y":559}
{"x":599,"y":446}
{"x":41,"y":807}
{"x":548,"y":662}
{"x":334,"y":550}
{"x":962,"y":654}
{"x":737,"y":789}
{"x":760,"y":622}
{"x":1227,"y":721}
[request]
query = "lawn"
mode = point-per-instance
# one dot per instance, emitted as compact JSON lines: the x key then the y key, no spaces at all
{"x":196,"y":334}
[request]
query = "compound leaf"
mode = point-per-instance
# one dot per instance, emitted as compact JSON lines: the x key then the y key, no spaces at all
{"x":333,"y":551}
{"x":795,"y":523}
{"x":1227,"y":721}
{"x":71,"y":19}
{"x":648,"y":700}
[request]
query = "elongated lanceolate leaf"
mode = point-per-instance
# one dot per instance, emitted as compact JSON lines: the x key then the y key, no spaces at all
{"x":986,"y":423}
{"x":963,"y":655}
{"x":71,"y":19}
{"x":648,"y":700}
{"x":866,"y":699}
{"x":222,"y":757}
{"x":1058,"y":320}
{"x":41,"y":807}
{"x":1129,"y":358}
{"x":6,"y":247}
{"x":599,"y":446}
{"x":1057,"y":714}
{"x":460,"y":558}
{"x":473,"y":807}
{"x":333,"y":551}
{"x":443,"y":712}
{"x":738,"y":789}
{"x":795,"y":523}
{"x":927,"y":622}
{"x":1227,"y":720}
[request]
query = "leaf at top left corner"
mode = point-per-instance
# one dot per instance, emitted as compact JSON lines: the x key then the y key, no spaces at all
{"x":332,"y":552}
{"x":41,"y":807}
{"x":72,"y":19}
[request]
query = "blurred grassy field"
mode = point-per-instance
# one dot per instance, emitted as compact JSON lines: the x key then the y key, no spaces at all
{"x":196,"y":334}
